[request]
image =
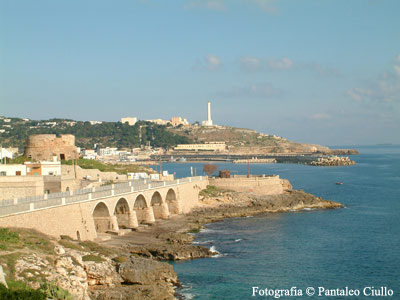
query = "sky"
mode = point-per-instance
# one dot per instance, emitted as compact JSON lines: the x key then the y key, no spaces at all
{"x":325,"y":72}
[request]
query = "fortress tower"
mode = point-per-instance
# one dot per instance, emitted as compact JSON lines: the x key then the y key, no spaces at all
{"x":46,"y":146}
{"x":208,"y":122}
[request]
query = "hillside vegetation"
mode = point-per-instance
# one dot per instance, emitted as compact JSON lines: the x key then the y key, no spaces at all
{"x":106,"y":134}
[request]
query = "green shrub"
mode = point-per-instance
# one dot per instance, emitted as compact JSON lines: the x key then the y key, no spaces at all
{"x":7,"y":237}
{"x":21,"y":292}
{"x":71,"y":245}
{"x":121,"y":259}
{"x":212,"y":191}
{"x":53,"y":291}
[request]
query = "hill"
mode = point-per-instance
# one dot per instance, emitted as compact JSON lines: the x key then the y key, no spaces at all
{"x":14,"y":132}
{"x":247,"y":141}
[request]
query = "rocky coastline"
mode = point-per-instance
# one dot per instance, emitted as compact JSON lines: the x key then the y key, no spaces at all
{"x":131,"y":266}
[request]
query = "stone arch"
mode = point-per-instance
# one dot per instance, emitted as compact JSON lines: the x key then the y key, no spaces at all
{"x":140,"y":202}
{"x":144,"y":213}
{"x":172,"y":202}
{"x":122,"y":212}
{"x":160,"y":208}
{"x":156,"y":199}
{"x":101,"y":217}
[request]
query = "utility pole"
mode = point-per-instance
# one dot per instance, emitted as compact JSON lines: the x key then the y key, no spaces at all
{"x":248,"y":168}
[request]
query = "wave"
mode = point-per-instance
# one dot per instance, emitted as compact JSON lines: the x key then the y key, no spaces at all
{"x":203,"y":230}
{"x":203,"y":242}
{"x":238,"y":240}
{"x":218,"y":254}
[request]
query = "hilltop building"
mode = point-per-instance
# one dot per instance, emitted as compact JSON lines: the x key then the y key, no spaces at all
{"x":176,"y":121}
{"x":159,"y":121}
{"x":131,"y":120}
{"x":208,"y":122}
{"x":211,"y":146}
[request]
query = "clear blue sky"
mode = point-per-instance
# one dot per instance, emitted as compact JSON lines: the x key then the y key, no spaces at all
{"x":326,"y":72}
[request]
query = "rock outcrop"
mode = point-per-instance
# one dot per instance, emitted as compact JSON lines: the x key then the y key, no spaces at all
{"x":332,"y":161}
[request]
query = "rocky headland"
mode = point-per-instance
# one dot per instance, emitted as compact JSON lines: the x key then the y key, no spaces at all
{"x":130,"y":266}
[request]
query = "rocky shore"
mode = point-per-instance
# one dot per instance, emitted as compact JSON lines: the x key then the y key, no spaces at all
{"x":332,"y":161}
{"x":129,"y":266}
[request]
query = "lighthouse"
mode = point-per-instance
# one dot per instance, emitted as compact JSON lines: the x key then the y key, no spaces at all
{"x":208,"y":122}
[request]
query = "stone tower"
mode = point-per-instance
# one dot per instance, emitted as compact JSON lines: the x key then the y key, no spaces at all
{"x":46,"y":146}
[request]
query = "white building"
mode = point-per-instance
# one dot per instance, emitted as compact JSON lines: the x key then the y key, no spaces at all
{"x":212,"y":146}
{"x":159,"y":121}
{"x":44,"y":168}
{"x":107,"y":151}
{"x":131,"y":120}
{"x":95,"y":122}
{"x":12,"y":170}
{"x":51,"y":168}
{"x":89,"y":154}
{"x":208,"y":122}
{"x":7,"y":153}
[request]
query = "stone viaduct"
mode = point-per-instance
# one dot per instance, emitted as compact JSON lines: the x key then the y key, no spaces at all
{"x":83,"y":214}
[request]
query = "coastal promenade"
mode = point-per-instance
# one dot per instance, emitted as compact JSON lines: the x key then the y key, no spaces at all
{"x":83,"y":214}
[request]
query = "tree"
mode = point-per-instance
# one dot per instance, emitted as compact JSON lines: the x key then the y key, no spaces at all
{"x":209,"y":169}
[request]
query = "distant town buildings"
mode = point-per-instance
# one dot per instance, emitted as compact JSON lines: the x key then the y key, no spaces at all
{"x":208,"y":122}
{"x":89,"y":154}
{"x":212,"y":146}
{"x":95,"y":122}
{"x":130,"y":120}
{"x":176,"y":121}
{"x":107,"y":151}
{"x":159,"y":121}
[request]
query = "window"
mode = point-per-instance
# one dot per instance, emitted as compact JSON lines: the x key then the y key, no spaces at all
{"x":18,"y":173}
{"x":3,"y":173}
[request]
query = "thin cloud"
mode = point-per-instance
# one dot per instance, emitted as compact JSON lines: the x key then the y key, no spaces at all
{"x":216,"y":5}
{"x":281,"y":64}
{"x":397,"y":70}
{"x":320,"y":116}
{"x":265,"y":5}
{"x":259,"y":90}
{"x":249,"y":63}
{"x":210,"y":63}
{"x":385,"y":90}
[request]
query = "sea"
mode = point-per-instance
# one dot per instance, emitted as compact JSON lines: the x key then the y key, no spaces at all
{"x":348,"y":253}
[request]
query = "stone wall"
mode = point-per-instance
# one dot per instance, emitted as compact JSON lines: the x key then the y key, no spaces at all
{"x":78,"y":217}
{"x":20,"y":186}
{"x":46,"y":146}
{"x":92,"y":174}
{"x":268,"y":185}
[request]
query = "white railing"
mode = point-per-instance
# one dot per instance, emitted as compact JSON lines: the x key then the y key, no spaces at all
{"x":27,"y":204}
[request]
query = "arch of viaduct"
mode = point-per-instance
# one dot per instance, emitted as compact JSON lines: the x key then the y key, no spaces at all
{"x":86,"y":219}
{"x":128,"y":211}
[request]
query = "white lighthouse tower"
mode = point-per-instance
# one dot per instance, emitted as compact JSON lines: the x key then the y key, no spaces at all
{"x":208,"y":122}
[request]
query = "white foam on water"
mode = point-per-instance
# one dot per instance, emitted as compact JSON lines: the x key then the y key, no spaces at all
{"x":217,"y":253}
{"x":307,"y":208}
{"x":203,"y":243}
{"x":213,"y":249}
{"x":206,"y":230}
{"x":238,"y":240}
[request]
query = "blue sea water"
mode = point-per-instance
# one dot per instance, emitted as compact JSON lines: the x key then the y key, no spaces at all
{"x":355,"y":247}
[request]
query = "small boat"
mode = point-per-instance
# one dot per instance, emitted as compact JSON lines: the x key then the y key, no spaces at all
{"x":339,"y":183}
{"x":182,"y":159}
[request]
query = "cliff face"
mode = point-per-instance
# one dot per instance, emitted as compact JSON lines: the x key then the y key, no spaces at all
{"x":85,"y":269}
